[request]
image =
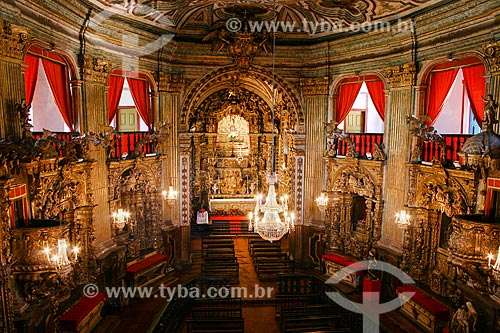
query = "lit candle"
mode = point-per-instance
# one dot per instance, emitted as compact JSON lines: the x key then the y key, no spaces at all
{"x":490,"y":257}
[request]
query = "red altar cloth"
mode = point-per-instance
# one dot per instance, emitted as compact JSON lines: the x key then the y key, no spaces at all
{"x":228,"y":218}
{"x":71,"y":319}
{"x":343,"y":261}
{"x":440,"y":311}
{"x":150,"y":261}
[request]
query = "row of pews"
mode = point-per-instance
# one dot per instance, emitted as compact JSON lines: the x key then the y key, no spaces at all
{"x":218,"y":258}
{"x":301,"y":306}
{"x":216,"y":315}
{"x":268,"y":259}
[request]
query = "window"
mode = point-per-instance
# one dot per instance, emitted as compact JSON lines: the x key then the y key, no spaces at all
{"x":129,"y":102}
{"x":48,"y":91}
{"x":360,"y":105}
{"x":363,"y":116}
{"x":127,"y":118}
{"x":457,"y":101}
{"x":455,"y":96}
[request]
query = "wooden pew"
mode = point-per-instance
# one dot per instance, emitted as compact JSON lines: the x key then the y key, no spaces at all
{"x":83,"y":316}
{"x":147,"y":271}
{"x":269,"y":270}
{"x":312,"y":323}
{"x":223,"y":270}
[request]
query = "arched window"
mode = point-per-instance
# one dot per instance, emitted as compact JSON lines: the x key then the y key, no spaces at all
{"x":360,"y":105}
{"x":454,"y":96}
{"x":48,"y":90}
{"x":129,"y":102}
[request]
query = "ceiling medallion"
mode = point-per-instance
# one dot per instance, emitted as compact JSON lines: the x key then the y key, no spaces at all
{"x":237,"y":39}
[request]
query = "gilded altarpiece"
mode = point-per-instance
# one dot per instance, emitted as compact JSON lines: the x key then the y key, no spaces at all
{"x":135,"y":185}
{"x":436,"y":196}
{"x":354,"y":214}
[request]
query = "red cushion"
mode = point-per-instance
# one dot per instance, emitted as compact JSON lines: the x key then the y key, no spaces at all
{"x":343,"y":261}
{"x":439,"y":310}
{"x":143,"y":264}
{"x":71,"y":319}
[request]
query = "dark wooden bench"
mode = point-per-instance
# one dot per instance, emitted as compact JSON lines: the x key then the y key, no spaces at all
{"x":216,"y":325}
{"x":300,"y":311}
{"x":216,"y":312}
{"x":147,"y":271}
{"x":219,"y":254}
{"x":83,"y":316}
{"x":224,"y":270}
{"x":269,"y":270}
{"x":284,"y":301}
{"x":220,"y":259}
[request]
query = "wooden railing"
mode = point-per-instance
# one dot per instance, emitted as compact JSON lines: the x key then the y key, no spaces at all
{"x":365,"y":142}
{"x":453,"y":142}
{"x":126,"y":144}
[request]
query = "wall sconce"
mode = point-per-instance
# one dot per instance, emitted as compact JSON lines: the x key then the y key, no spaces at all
{"x":170,"y":195}
{"x":322,"y":202}
{"x":402,"y":219}
{"x":120,"y":219}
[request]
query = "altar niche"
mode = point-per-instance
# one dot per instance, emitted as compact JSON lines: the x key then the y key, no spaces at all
{"x":355,"y":211}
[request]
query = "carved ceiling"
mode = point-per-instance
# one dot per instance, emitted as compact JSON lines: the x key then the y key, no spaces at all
{"x":194,"y":19}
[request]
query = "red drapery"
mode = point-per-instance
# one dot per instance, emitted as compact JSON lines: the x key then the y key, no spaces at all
{"x":348,"y":91}
{"x":476,"y":88}
{"x":376,"y":90}
{"x":57,"y":75}
{"x":115,"y":84}
{"x":30,"y":76}
{"x":440,"y":84}
{"x":140,"y":93}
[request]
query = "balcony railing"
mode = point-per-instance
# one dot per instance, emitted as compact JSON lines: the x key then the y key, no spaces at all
{"x":125,"y":144}
{"x":453,"y":142}
{"x":365,"y":142}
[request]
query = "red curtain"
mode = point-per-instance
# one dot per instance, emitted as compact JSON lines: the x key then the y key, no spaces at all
{"x":140,"y":93}
{"x":440,"y":84}
{"x":30,"y":76}
{"x":476,"y":88}
{"x":115,"y":89}
{"x":58,"y":78}
{"x":348,"y":91}
{"x":376,"y":91}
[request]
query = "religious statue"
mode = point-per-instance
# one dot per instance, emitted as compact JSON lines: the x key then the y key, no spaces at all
{"x":464,"y":320}
{"x":490,"y":112}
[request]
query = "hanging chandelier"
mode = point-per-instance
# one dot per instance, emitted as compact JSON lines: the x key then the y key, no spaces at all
{"x":271,"y":220}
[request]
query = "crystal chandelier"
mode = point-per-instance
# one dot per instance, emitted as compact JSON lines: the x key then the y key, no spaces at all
{"x":61,"y":256}
{"x":270,"y":225}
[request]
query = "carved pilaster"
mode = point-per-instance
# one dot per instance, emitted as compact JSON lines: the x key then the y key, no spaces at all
{"x":13,"y":41}
{"x":185,"y":191}
{"x":6,"y":300}
{"x":400,"y":76}
{"x":94,"y":69}
{"x":299,"y":186}
{"x":492,"y":53}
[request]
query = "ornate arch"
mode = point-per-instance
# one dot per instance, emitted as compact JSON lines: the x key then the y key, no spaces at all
{"x":334,"y":87}
{"x":256,"y":79}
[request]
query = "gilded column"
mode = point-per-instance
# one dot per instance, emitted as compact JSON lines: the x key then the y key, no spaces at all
{"x":94,"y":117}
{"x":315,"y":109}
{"x":14,"y":41}
{"x":397,"y":142}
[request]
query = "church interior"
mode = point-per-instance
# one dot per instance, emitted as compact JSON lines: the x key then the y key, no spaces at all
{"x":308,"y":148}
